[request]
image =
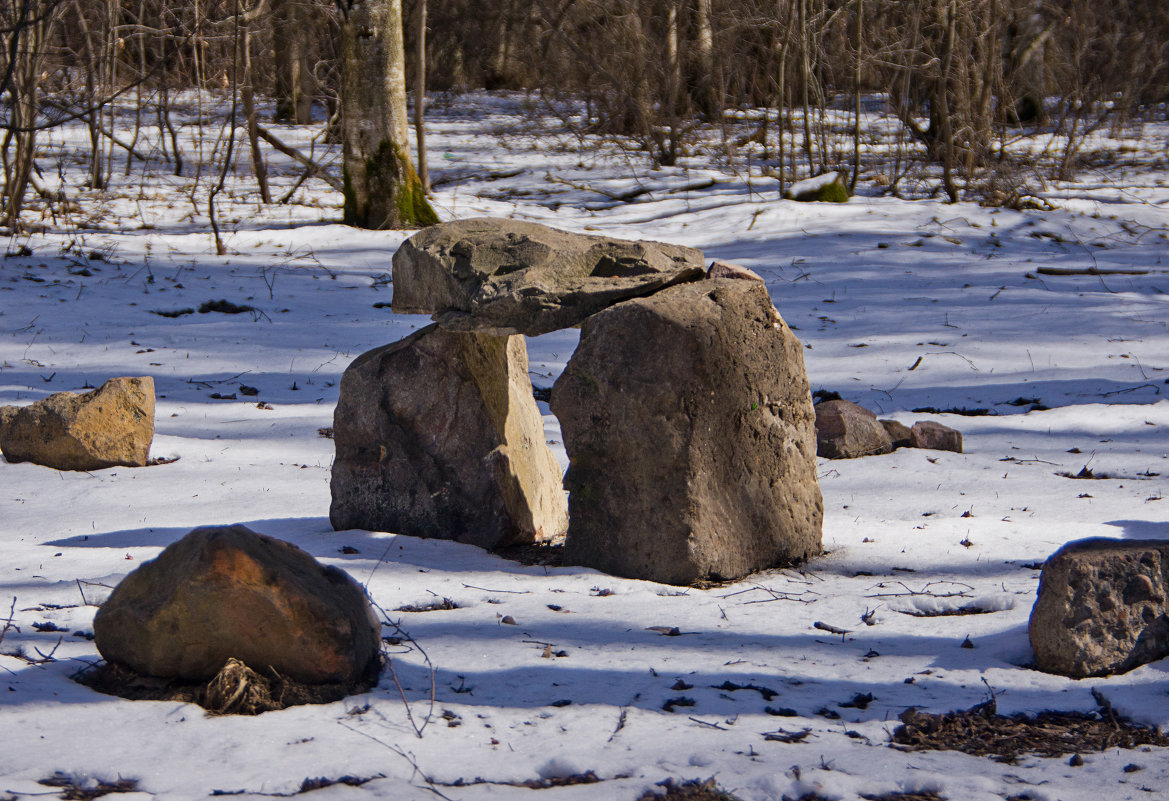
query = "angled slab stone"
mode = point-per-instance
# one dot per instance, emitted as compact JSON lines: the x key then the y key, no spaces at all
{"x":1102,"y":607}
{"x":226,"y":592}
{"x":438,"y":435}
{"x":108,"y":427}
{"x":688,"y":421}
{"x":510,"y":277}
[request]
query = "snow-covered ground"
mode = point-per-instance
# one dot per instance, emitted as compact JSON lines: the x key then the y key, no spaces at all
{"x":901,"y":305}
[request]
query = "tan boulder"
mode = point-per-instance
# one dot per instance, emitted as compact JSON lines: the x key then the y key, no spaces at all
{"x":227,"y":592}
{"x":438,"y":435}
{"x":1102,"y":607}
{"x":110,"y":426}
{"x":688,"y":422}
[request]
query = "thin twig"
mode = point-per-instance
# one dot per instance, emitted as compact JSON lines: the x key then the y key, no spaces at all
{"x":8,"y":624}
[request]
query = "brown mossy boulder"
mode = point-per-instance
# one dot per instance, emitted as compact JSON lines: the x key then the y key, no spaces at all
{"x":227,"y":592}
{"x":108,"y":427}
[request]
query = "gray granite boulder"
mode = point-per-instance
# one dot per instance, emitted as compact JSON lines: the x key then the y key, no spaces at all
{"x":1102,"y":607}
{"x":227,"y":592}
{"x":509,"y":277}
{"x":845,"y":430}
{"x":688,"y":422}
{"x":438,"y":435}
{"x":108,"y":427}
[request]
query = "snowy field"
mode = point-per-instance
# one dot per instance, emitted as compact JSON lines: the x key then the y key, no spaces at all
{"x":901,"y":305}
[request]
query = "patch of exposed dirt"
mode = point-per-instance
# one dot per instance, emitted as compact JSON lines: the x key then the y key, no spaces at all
{"x":980,"y":731}
{"x":441,"y":605}
{"x":235,"y":690}
{"x":692,"y":790}
{"x":73,"y":790}
{"x":549,"y":553}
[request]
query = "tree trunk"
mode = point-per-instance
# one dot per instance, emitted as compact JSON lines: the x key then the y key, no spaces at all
{"x":382,"y":190}
{"x":294,"y":85}
{"x":706,"y":98}
{"x":420,"y":99}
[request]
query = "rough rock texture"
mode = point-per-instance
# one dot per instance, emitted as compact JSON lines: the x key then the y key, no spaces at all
{"x":827,"y":188}
{"x":728,"y":269}
{"x":846,"y":431}
{"x":110,"y":426}
{"x":936,"y":437}
{"x":228,"y":592}
{"x":1102,"y":607}
{"x":900,"y":434}
{"x":438,"y":435}
{"x":688,"y":421}
{"x":507,"y":277}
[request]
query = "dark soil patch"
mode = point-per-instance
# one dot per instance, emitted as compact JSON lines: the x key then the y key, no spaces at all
{"x":962,"y":410}
{"x":236,"y":690}
{"x":969,"y":609}
{"x":71,"y":790}
{"x":224,"y":307}
{"x":434,"y":606}
{"x":549,"y":553}
{"x":692,"y":790}
{"x":1086,"y":474}
{"x":980,"y":731}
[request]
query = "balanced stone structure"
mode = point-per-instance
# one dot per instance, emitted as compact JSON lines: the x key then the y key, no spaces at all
{"x":510,"y":277}
{"x":688,"y":421}
{"x":438,"y":435}
{"x":686,"y":411}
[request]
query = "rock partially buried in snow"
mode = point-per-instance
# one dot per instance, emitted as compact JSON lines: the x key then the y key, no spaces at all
{"x":108,"y":427}
{"x":936,"y":437}
{"x":827,"y":188}
{"x":688,"y":422}
{"x":1102,"y":608}
{"x":438,"y":435}
{"x":227,"y":592}
{"x":509,"y":277}
{"x":900,"y":434}
{"x":847,"y":431}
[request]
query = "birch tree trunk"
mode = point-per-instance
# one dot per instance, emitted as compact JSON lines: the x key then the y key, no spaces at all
{"x":382,"y":189}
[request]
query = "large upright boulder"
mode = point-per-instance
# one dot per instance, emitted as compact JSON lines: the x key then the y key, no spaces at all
{"x":227,"y":592}
{"x":688,"y":421}
{"x":1102,"y":607}
{"x":438,"y":435}
{"x":110,"y":426}
{"x":507,"y":277}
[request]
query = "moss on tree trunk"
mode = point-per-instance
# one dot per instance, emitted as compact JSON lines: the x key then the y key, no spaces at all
{"x":392,"y":195}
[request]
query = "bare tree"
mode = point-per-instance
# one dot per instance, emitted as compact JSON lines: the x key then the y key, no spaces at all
{"x":382,"y":189}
